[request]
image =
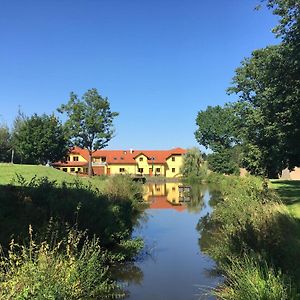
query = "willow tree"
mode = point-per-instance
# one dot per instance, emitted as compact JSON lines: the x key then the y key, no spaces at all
{"x":90,"y":122}
{"x":193,"y":163}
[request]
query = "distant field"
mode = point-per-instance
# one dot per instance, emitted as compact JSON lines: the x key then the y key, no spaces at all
{"x":9,"y":171}
{"x":289,"y":191}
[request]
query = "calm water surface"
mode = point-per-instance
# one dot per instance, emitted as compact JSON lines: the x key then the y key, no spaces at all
{"x":174,"y":266}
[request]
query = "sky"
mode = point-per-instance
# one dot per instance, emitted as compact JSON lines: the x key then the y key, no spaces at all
{"x":159,"y":62}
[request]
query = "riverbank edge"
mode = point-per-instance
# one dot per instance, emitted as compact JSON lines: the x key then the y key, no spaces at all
{"x":251,"y":264}
{"x":73,"y":244}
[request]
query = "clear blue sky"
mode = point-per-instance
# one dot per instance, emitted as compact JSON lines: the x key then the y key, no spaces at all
{"x":158,"y":61}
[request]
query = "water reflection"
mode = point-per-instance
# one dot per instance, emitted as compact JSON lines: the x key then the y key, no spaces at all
{"x":174,"y":266}
{"x":205,"y":228}
{"x":174,"y":195}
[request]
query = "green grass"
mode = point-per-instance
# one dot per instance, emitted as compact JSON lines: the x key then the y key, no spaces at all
{"x":289,"y":192}
{"x":9,"y":171}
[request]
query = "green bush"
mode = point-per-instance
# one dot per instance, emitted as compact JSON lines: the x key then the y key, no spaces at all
{"x":106,"y":214}
{"x":123,"y":187}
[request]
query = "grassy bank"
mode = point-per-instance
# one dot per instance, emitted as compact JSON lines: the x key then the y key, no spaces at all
{"x":8,"y":174}
{"x":289,"y":192}
{"x":254,"y":239}
{"x":77,"y":231}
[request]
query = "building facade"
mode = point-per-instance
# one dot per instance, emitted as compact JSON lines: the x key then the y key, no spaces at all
{"x":165,"y":163}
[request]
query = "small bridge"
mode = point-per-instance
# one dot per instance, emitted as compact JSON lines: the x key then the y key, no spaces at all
{"x":139,"y":178}
{"x":184,"y":193}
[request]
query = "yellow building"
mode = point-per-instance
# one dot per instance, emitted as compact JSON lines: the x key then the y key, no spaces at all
{"x":165,"y":163}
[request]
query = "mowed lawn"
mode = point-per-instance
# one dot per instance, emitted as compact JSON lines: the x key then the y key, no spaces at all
{"x":289,"y":191}
{"x":8,"y":173}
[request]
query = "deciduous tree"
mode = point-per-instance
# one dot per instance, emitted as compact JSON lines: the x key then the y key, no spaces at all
{"x":90,"y":121}
{"x":268,"y":108}
{"x":217,"y":127}
{"x":40,"y":139}
{"x":5,"y":143}
{"x":192,"y":165}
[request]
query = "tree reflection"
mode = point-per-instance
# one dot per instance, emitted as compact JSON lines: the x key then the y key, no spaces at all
{"x":129,"y":273}
{"x":207,"y":229}
{"x":196,"y":195}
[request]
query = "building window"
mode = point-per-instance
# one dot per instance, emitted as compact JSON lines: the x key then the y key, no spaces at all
{"x":140,"y":170}
{"x":78,"y":169}
{"x":173,"y":170}
{"x":65,"y":169}
{"x":115,"y":158}
{"x":122,"y":158}
{"x":103,"y":159}
{"x":122,"y":170}
{"x":141,"y":158}
{"x":158,"y":170}
{"x":173,"y":158}
{"x":75,"y":158}
{"x":68,"y":158}
{"x":158,"y":189}
{"x":173,"y":188}
{"x":72,"y":169}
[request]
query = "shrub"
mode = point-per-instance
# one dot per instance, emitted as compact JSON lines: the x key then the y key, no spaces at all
{"x":105,"y":214}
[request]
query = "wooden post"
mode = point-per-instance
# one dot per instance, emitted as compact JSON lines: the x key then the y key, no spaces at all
{"x":12,"y":156}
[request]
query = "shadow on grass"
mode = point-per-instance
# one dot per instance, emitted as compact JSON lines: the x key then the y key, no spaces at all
{"x":289,"y":191}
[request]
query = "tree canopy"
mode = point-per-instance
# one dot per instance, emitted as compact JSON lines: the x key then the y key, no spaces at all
{"x":40,"y":139}
{"x":265,"y":120}
{"x":216,"y":127}
{"x":90,"y":121}
{"x":5,"y":143}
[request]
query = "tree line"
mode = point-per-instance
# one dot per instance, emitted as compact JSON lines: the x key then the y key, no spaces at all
{"x":40,"y":139}
{"x":261,"y":130}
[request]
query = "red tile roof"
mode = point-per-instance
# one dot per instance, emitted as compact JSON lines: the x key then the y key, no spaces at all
{"x":128,"y":156}
{"x":161,"y":202}
{"x":71,"y":164}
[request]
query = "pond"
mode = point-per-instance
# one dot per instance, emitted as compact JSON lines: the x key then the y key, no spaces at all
{"x":173,"y":265}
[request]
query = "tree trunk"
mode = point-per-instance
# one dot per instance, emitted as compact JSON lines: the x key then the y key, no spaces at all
{"x":90,"y":169}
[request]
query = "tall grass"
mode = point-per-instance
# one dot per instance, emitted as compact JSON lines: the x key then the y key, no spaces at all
{"x":251,"y":278}
{"x":249,"y":218}
{"x":72,"y":268}
{"x":123,"y":187}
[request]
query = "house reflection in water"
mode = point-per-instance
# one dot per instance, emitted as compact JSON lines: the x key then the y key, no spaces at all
{"x":165,"y":196}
